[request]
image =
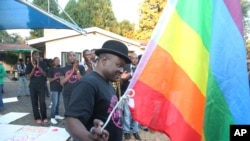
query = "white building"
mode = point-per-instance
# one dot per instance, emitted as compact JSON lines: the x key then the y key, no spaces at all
{"x":57,"y":42}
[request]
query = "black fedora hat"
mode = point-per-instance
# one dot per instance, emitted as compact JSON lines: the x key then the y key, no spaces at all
{"x":116,"y":48}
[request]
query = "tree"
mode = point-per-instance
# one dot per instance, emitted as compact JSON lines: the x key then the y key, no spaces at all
{"x":245,"y":4}
{"x":150,"y":11}
{"x":6,"y":38}
{"x":52,"y":8}
{"x":89,"y":13}
{"x":127,"y":29}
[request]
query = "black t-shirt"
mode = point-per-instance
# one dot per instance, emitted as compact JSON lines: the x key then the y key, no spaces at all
{"x":55,"y":85}
{"x":37,"y":80}
{"x":94,"y":98}
{"x":70,"y":84}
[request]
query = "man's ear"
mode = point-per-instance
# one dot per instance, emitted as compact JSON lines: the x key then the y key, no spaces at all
{"x":103,"y":60}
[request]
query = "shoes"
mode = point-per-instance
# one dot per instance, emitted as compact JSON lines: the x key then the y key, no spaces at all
{"x":59,"y":117}
{"x":38,"y":121}
{"x":53,"y":121}
{"x":136,"y":135}
{"x":144,"y":128}
{"x":127,"y":136}
{"x":45,"y":121}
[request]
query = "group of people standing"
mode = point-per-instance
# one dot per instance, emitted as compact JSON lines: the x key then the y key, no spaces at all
{"x":87,"y":90}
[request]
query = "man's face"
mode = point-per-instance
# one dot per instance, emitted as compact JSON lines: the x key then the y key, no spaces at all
{"x":93,"y":55}
{"x":87,"y":56}
{"x":71,"y":57}
{"x":134,"y":59}
{"x":114,"y":67}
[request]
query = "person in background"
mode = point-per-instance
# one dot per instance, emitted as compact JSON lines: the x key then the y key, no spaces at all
{"x":93,"y":56}
{"x":55,"y":89}
{"x":46,"y":62}
{"x":87,"y":62}
{"x":129,"y":70}
{"x":22,"y":79}
{"x":70,"y":75}
{"x":27,"y":60}
{"x":36,"y":72}
{"x":2,"y":75}
{"x":94,"y":97}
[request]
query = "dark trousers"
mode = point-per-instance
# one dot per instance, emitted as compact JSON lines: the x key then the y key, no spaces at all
{"x":37,"y":96}
{"x":66,"y":99}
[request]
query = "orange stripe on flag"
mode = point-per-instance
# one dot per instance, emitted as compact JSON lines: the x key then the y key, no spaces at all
{"x":176,"y":86}
{"x":163,"y":116}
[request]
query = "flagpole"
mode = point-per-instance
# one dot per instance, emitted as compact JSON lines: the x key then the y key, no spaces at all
{"x":128,"y":94}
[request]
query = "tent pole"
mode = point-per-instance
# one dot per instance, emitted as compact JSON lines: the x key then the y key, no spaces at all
{"x":58,"y":19}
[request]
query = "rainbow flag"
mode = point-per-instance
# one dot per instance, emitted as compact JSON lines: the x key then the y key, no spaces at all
{"x":192,"y":81}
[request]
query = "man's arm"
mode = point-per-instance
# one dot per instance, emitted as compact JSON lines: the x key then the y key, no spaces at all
{"x":79,"y":132}
{"x":64,"y":79}
{"x":42,"y":69}
{"x":76,"y":129}
{"x":30,"y":70}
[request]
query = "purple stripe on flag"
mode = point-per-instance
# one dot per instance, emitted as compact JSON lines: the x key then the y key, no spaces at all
{"x":234,"y":8}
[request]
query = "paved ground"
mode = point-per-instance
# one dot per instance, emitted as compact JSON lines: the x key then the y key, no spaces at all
{"x":24,"y":105}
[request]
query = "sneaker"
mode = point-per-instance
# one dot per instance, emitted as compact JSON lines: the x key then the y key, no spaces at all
{"x":127,"y":136}
{"x":136,"y":135}
{"x":59,"y":117}
{"x":38,"y":121}
{"x":53,"y":121}
{"x":45,"y":121}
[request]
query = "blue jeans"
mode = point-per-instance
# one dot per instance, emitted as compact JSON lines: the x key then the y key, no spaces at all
{"x":127,"y":121}
{"x":22,"y":81}
{"x":1,"y":97}
{"x":55,"y":99}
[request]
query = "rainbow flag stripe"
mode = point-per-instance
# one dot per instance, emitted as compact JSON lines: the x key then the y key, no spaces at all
{"x":192,"y":81}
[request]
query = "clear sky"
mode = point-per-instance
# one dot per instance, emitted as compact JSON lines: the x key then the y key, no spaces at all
{"x":123,"y":10}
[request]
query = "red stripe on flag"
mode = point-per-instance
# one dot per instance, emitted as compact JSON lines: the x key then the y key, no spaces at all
{"x":166,"y":77}
{"x":156,"y":112}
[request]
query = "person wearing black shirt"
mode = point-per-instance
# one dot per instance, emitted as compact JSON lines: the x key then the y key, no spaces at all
{"x":36,"y":72}
{"x":71,"y":74}
{"x":55,"y":89}
{"x":94,"y":97}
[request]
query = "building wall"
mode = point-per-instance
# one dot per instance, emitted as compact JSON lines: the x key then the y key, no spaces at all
{"x":79,"y":42}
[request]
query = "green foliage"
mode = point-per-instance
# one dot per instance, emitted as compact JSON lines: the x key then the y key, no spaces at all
{"x":6,"y":38}
{"x":150,"y":11}
{"x":245,"y":4}
{"x":89,"y":13}
{"x":11,"y":59}
{"x":127,"y":29}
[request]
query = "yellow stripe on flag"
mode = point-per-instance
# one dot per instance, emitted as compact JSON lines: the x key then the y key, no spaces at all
{"x":187,"y":50}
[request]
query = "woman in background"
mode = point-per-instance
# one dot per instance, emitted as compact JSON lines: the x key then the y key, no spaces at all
{"x":55,"y":89}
